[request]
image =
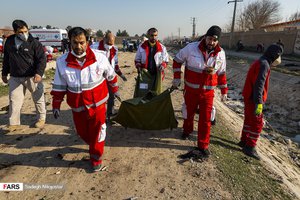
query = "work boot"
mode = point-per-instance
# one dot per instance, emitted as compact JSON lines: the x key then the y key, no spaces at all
{"x":213,"y":122}
{"x":205,"y":152}
{"x":251,"y":151}
{"x":184,"y":136}
{"x":40,"y":123}
{"x":97,"y":168}
{"x":241,"y":144}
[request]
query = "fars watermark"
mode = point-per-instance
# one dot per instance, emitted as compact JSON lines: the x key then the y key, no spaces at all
{"x":29,"y":186}
{"x":11,"y":186}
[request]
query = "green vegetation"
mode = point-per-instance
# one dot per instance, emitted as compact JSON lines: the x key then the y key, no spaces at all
{"x":244,"y":177}
{"x":49,"y":74}
{"x":285,"y":70}
{"x":3,"y":90}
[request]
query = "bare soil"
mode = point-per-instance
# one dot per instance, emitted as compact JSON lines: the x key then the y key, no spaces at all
{"x":140,"y":164}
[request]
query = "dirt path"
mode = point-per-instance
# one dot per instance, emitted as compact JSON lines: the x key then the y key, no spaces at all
{"x":140,"y":164}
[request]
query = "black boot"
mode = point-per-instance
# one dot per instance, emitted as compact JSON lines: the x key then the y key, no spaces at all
{"x":184,"y":136}
{"x":241,"y":144}
{"x":205,"y":152}
{"x":251,"y":151}
{"x":213,"y":122}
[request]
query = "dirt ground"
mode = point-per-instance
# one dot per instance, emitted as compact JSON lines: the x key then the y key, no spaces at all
{"x":140,"y":164}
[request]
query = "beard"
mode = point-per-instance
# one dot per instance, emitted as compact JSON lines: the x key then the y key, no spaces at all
{"x":209,"y":47}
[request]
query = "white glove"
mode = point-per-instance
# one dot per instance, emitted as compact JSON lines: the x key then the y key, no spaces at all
{"x":176,"y":83}
{"x":56,"y":113}
{"x":224,"y":97}
{"x":123,"y":77}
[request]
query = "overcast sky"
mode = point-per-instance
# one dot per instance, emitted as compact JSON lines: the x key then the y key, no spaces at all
{"x":134,"y":16}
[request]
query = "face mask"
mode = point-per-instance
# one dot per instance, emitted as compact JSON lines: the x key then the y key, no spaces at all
{"x":108,"y":46}
{"x":276,"y":62}
{"x":78,"y":56}
{"x":23,"y":36}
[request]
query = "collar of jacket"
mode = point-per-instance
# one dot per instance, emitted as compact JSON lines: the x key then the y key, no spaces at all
{"x":89,"y":59}
{"x":145,"y":45}
{"x":202,"y":48}
{"x":101,"y":45}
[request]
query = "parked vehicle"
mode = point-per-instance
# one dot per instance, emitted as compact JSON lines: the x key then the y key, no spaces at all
{"x":50,"y":37}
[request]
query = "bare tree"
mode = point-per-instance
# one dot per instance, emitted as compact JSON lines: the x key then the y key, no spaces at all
{"x":259,"y":13}
{"x":295,"y":16}
{"x":241,"y":22}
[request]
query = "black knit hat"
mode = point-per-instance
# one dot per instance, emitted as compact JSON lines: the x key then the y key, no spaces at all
{"x":214,"y":31}
{"x":273,"y":52}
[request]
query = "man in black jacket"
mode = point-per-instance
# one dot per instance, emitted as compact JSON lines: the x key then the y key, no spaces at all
{"x":25,"y":61}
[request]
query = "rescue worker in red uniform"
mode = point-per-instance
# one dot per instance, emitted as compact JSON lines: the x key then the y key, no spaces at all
{"x":111,"y":51}
{"x":255,"y":95}
{"x":83,"y":75}
{"x":205,"y":69}
{"x":152,"y":55}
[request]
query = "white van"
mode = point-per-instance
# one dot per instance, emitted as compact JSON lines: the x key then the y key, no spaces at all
{"x":49,"y":37}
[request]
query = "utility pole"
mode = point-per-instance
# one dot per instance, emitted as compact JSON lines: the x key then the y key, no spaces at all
{"x":179,"y":33}
{"x":194,"y":27}
{"x":233,"y":21}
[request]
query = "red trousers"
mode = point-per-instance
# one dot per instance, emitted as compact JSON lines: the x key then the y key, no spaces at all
{"x":92,"y":129}
{"x":253,"y":125}
{"x":205,"y":102}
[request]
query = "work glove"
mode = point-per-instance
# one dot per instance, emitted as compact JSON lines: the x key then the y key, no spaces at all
{"x":56,"y":113}
{"x":176,"y":83}
{"x":123,"y":77}
{"x":224,"y":97}
{"x":258,"y":109}
{"x":117,"y":96}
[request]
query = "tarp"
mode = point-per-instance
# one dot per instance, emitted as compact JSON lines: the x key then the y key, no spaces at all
{"x":145,"y":82}
{"x":150,"y":112}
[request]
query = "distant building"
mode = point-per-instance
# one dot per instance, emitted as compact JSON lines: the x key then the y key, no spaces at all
{"x":6,"y":32}
{"x":290,"y":25}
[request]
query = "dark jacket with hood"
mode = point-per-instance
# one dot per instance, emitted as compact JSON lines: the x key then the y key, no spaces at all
{"x":257,"y":81}
{"x":26,"y":61}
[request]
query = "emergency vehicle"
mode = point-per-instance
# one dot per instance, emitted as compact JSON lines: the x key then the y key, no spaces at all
{"x":49,"y":37}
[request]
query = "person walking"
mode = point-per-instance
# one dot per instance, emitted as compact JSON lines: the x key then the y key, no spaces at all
{"x":111,"y":51}
{"x":153,"y":57}
{"x":83,"y":75}
{"x":255,"y":95}
{"x":24,"y":60}
{"x":205,"y":69}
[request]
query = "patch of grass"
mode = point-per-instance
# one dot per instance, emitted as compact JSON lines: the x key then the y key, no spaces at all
{"x":50,"y":74}
{"x":287,"y":71}
{"x":3,"y":90}
{"x":244,"y":177}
